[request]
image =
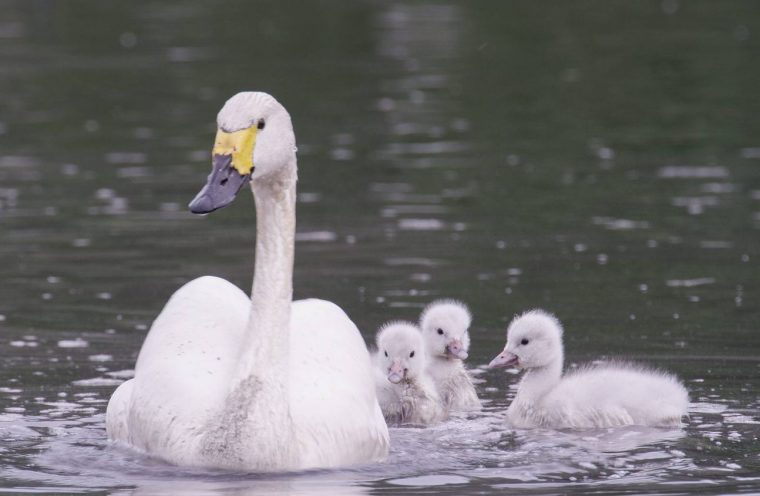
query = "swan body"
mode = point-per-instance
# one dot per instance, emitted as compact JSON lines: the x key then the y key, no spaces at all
{"x":444,"y":325}
{"x":406,"y":393}
{"x":256,"y":383}
{"x":606,"y":395}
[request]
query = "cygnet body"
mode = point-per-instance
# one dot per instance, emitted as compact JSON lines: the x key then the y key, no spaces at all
{"x":606,"y":395}
{"x":444,"y":325}
{"x":405,"y":391}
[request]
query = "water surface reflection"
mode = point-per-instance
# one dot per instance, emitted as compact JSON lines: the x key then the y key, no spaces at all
{"x":598,"y":162}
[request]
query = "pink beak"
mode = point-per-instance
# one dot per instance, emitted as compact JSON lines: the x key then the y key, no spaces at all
{"x":504,"y":359}
{"x":455,"y":348}
{"x":396,"y":372}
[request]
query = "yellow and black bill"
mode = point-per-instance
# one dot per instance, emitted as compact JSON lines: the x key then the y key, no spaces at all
{"x":232,"y":166}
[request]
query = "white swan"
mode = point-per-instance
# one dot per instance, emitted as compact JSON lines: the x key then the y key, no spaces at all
{"x":406,"y":393}
{"x":259,"y":383}
{"x":444,"y":325}
{"x":612,"y":394}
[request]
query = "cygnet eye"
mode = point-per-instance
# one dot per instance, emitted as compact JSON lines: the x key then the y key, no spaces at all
{"x":386,"y":353}
{"x":261,"y":124}
{"x":524,"y":341}
{"x":440,"y":331}
{"x":411,"y":355}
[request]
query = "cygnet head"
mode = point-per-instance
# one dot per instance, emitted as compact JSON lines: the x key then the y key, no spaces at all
{"x":444,"y":325}
{"x":400,"y":351}
{"x":534,"y":339}
{"x":254,"y":140}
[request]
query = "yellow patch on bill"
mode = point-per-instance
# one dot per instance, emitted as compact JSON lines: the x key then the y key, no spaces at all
{"x":240,"y":145}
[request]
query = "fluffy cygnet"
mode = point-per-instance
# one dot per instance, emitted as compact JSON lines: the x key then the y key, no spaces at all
{"x":444,"y":325}
{"x":405,"y":391}
{"x":606,"y":395}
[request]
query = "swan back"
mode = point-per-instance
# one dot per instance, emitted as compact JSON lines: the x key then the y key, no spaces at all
{"x":445,"y":324}
{"x":618,"y":393}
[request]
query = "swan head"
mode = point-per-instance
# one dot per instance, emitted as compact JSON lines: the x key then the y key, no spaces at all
{"x":400,"y":351}
{"x":254,"y":140}
{"x":445,"y":325}
{"x":534,"y":339}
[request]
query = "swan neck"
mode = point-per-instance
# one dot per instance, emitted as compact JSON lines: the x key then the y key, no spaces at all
{"x":539,"y":381}
{"x":255,"y":427}
{"x":272,"y":291}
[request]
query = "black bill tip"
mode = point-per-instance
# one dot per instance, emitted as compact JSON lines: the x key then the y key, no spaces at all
{"x":222,"y":185}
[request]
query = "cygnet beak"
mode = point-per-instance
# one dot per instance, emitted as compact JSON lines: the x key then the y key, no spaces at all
{"x":456,"y":349}
{"x":396,"y":372}
{"x":504,"y":359}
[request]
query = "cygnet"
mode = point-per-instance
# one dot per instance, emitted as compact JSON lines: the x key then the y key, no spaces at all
{"x":445,"y":325}
{"x":593,"y":396}
{"x":405,"y":391}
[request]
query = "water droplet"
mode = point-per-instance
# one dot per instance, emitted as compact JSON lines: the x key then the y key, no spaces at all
{"x":128,"y":39}
{"x":386,"y":105}
{"x":100,"y":358}
{"x":670,"y":7}
{"x":91,"y":126}
{"x":69,"y":169}
{"x":73,"y":343}
{"x":81,"y":243}
{"x":741,"y":33}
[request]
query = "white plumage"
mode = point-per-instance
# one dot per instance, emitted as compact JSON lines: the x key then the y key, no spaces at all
{"x":406,"y":392}
{"x":444,"y":325}
{"x":606,"y":395}
{"x":259,"y":383}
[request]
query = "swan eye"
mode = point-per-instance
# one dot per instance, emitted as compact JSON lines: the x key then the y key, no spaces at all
{"x":386,"y":353}
{"x":411,"y":355}
{"x":524,"y":341}
{"x":440,"y":331}
{"x":261,"y":124}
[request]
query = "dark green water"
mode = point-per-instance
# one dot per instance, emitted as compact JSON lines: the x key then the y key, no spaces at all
{"x":597,"y":159}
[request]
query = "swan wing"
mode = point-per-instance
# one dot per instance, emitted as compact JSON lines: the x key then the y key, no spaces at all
{"x":333,"y":401}
{"x":182,"y":371}
{"x":618,"y":393}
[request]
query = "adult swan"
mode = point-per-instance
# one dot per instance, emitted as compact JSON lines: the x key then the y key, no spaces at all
{"x":262,"y":383}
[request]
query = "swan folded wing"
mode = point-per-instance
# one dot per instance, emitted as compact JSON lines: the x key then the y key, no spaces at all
{"x":459,"y":391}
{"x":615,"y":394}
{"x":117,"y":412}
{"x":182,"y":372}
{"x":333,"y":400}
{"x":421,"y":405}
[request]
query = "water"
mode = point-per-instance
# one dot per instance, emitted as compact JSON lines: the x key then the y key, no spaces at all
{"x":598,"y":159}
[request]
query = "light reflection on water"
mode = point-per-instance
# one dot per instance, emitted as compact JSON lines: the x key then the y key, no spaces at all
{"x":516,"y":162}
{"x":63,"y":444}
